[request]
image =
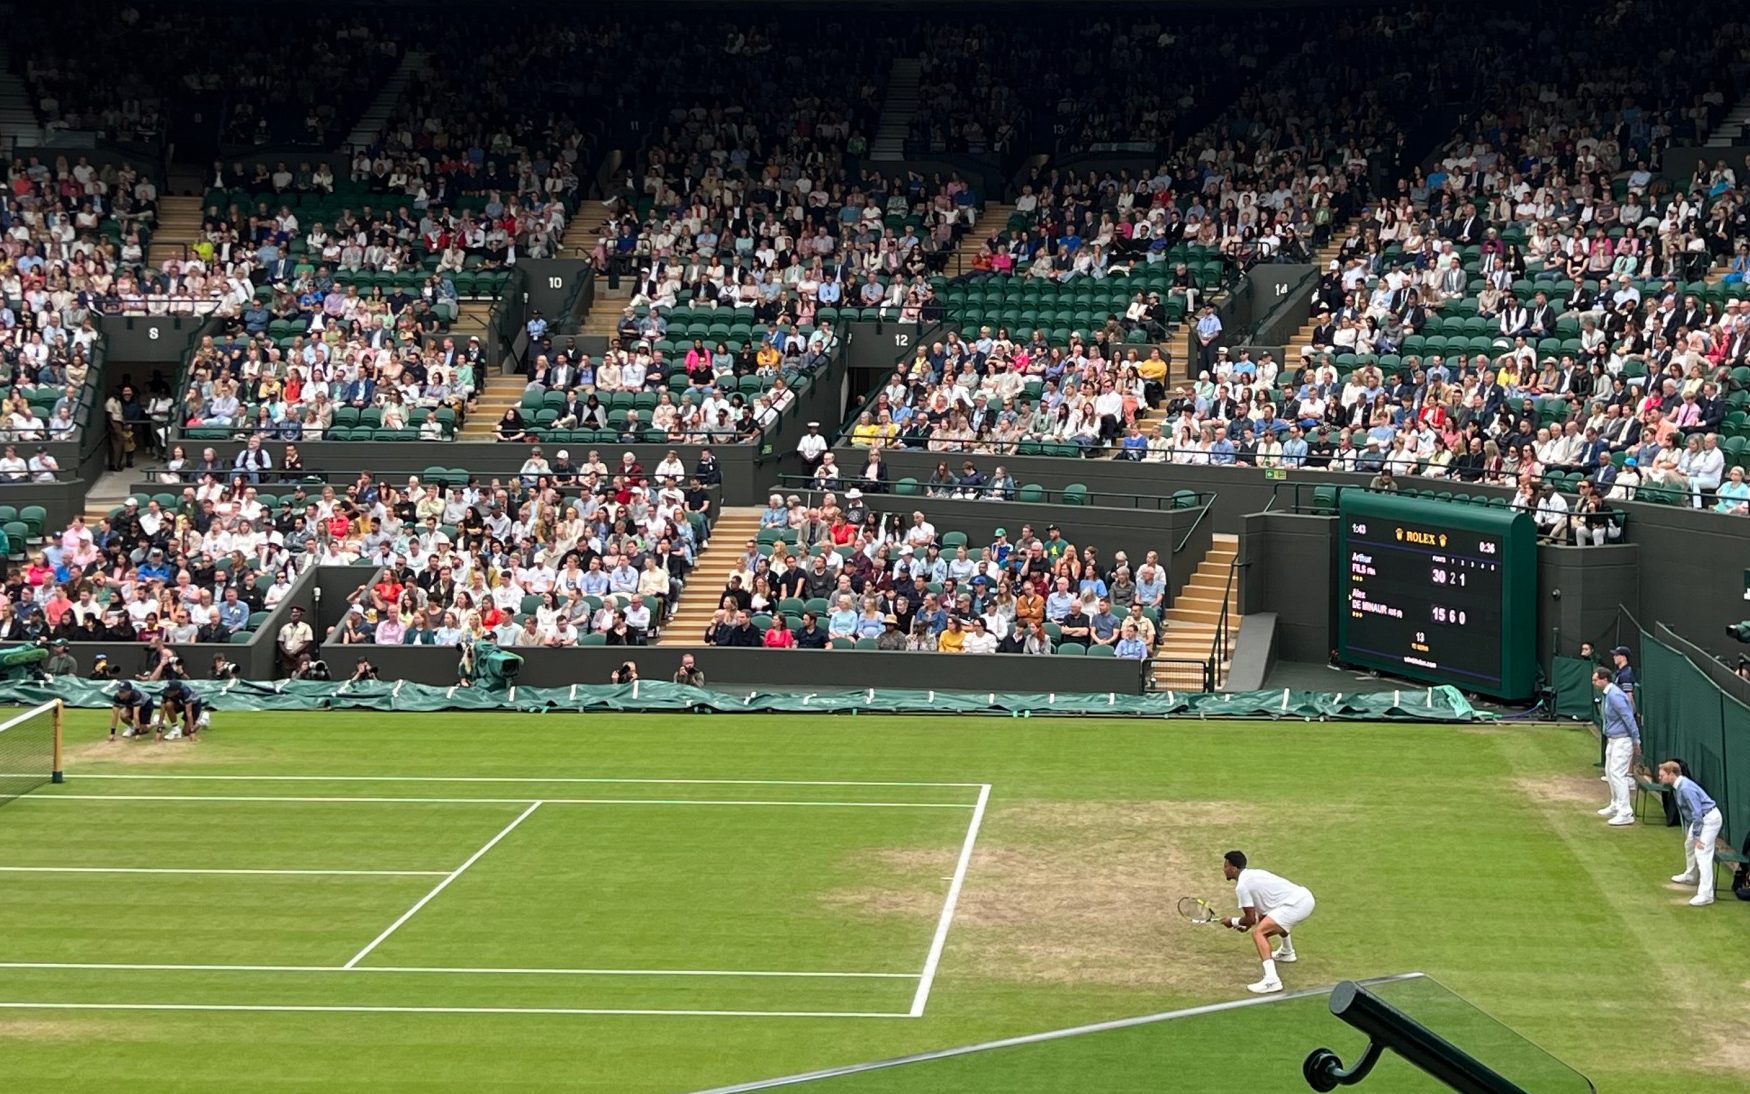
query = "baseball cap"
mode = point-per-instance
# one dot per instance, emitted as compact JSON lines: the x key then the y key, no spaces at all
{"x":1620,"y":651}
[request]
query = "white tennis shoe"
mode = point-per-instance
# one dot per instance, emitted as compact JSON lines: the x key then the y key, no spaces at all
{"x":1685,"y":879}
{"x":1265,"y":987}
{"x":1283,"y":954}
{"x":1607,"y":811}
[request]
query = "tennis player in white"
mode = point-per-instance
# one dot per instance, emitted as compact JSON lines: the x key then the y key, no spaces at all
{"x":1270,"y":907}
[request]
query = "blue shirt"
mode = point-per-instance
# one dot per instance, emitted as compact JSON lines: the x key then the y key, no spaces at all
{"x":1692,"y":802}
{"x":1149,"y":593}
{"x":234,"y":614}
{"x":1131,"y":648}
{"x":1619,"y":715}
{"x":1221,"y":453}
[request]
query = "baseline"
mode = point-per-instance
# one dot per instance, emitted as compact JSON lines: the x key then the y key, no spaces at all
{"x":215,"y":872}
{"x":312,"y":1008}
{"x":484,"y":801}
{"x":454,"y":971}
{"x":595,"y":780}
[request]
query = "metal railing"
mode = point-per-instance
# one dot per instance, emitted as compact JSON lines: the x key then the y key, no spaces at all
{"x":1222,"y":646}
{"x":1025,"y":494}
{"x":1208,"y":501}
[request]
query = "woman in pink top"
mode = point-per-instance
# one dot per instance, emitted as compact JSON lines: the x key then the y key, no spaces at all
{"x":779,"y":636}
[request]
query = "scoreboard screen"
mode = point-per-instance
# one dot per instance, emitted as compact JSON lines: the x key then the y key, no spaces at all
{"x":1439,"y":591}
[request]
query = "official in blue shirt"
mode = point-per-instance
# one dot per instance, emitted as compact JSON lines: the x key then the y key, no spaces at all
{"x":1701,"y":827}
{"x":1622,"y":747}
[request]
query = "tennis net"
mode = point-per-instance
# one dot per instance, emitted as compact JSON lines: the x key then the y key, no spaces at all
{"x":30,"y":750}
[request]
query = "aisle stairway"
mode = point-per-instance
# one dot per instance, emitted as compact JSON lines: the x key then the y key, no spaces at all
{"x":178,"y":227}
{"x":710,"y":575}
{"x":897,"y":108}
{"x":1188,"y":631}
{"x":1302,"y":340}
{"x":583,"y":229}
{"x":993,"y":218}
{"x":372,"y":122}
{"x":18,"y":121}
{"x":603,"y":317}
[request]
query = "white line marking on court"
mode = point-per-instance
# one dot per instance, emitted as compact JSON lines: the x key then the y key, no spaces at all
{"x":514,"y":779}
{"x":1035,"y":1038}
{"x":482,"y":801}
{"x":586,"y":1011}
{"x":941,"y":939}
{"x":720,"y":973}
{"x":442,"y":885}
{"x":241,"y":873}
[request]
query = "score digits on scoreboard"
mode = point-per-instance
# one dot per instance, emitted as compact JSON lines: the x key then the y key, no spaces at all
{"x":1437,"y":590}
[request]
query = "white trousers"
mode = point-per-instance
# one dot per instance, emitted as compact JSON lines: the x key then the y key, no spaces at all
{"x":1699,"y":863}
{"x":1618,"y":751}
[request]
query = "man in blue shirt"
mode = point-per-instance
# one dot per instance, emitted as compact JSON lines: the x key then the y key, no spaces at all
{"x":1702,"y":820}
{"x":1622,"y":747}
{"x":1059,"y":603}
{"x":1130,"y":646}
{"x":1221,"y":453}
{"x":1294,"y":449}
{"x":233,"y":613}
{"x":154,"y":568}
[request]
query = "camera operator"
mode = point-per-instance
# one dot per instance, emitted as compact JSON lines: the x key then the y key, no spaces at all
{"x":625,"y":674}
{"x":363,"y":671}
{"x":689,"y":673}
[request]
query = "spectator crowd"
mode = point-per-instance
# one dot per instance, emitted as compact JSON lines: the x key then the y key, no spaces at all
{"x":557,"y":555}
{"x":840,"y":575}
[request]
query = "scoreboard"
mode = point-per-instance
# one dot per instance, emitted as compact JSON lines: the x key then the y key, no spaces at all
{"x":1439,"y":591}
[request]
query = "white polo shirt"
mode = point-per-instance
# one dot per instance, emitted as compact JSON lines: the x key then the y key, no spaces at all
{"x":1266,"y":892}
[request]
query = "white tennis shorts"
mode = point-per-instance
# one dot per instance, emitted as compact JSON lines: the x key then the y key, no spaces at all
{"x":1294,"y":913}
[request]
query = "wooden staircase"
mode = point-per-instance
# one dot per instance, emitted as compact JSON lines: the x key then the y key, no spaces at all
{"x":584,"y":229}
{"x":710,"y":576}
{"x":177,"y":228}
{"x":1302,"y":340}
{"x":993,"y":218}
{"x":1188,"y":630}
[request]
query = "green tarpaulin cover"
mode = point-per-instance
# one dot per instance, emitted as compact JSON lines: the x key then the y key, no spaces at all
{"x":1436,"y":704}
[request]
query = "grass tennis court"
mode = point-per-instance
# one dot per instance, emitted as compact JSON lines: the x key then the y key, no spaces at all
{"x":652,"y":903}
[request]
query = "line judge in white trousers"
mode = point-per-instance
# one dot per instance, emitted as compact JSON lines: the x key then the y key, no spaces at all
{"x":1622,"y":748}
{"x":1701,"y":828}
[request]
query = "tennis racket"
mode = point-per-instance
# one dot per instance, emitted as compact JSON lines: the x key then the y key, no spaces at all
{"x":1197,"y":910}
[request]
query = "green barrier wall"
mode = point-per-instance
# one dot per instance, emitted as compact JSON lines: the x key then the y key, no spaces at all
{"x":1686,"y":716}
{"x":1572,"y":679}
{"x":1436,"y":704}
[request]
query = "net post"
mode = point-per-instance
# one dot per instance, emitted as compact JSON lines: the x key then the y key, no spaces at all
{"x":56,"y":775}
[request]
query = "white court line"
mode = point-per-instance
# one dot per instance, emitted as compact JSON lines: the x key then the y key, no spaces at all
{"x":241,"y":873}
{"x":480,"y":801}
{"x":442,"y":885}
{"x":317,"y":1009}
{"x":1048,"y":1035}
{"x":720,"y":973}
{"x":513,"y":779}
{"x":941,"y":939}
